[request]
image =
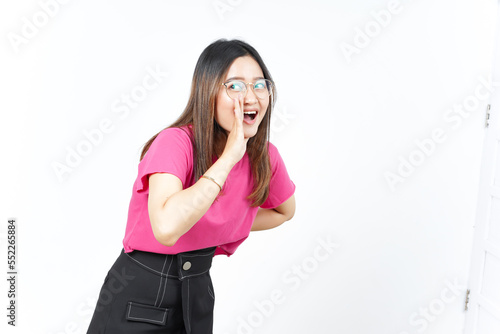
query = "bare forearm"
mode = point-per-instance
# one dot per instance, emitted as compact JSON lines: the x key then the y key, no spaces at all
{"x":267,"y":219}
{"x":185,"y":208}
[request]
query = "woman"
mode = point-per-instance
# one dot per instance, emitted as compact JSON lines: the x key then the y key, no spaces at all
{"x":203,"y":184}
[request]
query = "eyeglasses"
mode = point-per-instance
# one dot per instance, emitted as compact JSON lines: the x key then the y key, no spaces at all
{"x":262,"y":88}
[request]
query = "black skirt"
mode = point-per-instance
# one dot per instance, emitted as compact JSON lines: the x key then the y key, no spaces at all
{"x":147,"y":292}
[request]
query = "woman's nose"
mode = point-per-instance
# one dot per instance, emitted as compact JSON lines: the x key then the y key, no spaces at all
{"x":250,"y":96}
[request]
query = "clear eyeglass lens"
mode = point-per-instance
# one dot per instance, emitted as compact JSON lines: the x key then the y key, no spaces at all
{"x":261,"y":88}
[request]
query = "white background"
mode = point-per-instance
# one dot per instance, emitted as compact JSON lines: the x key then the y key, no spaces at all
{"x":344,"y":124}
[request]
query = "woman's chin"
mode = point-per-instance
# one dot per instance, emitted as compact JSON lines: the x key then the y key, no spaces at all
{"x":249,"y":133}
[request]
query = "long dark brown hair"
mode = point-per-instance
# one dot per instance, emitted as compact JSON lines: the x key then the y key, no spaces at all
{"x":209,"y":137}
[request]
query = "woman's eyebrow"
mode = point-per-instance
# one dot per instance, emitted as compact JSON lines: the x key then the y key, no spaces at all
{"x":241,"y":78}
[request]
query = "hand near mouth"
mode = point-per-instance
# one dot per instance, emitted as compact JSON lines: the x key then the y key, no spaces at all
{"x":236,"y":144}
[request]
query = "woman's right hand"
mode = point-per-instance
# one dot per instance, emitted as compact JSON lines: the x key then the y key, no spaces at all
{"x":236,"y":144}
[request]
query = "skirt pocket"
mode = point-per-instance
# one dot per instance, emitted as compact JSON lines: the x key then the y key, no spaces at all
{"x":146,"y":313}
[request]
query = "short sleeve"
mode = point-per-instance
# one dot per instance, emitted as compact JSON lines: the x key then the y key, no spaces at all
{"x":170,"y":152}
{"x":281,"y":187}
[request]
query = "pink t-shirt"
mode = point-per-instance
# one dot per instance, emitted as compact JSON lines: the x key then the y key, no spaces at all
{"x":227,"y":222}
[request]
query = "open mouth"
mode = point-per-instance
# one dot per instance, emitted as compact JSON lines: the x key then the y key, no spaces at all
{"x":249,"y":115}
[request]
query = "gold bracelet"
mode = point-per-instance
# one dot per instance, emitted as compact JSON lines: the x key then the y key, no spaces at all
{"x":211,"y":178}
